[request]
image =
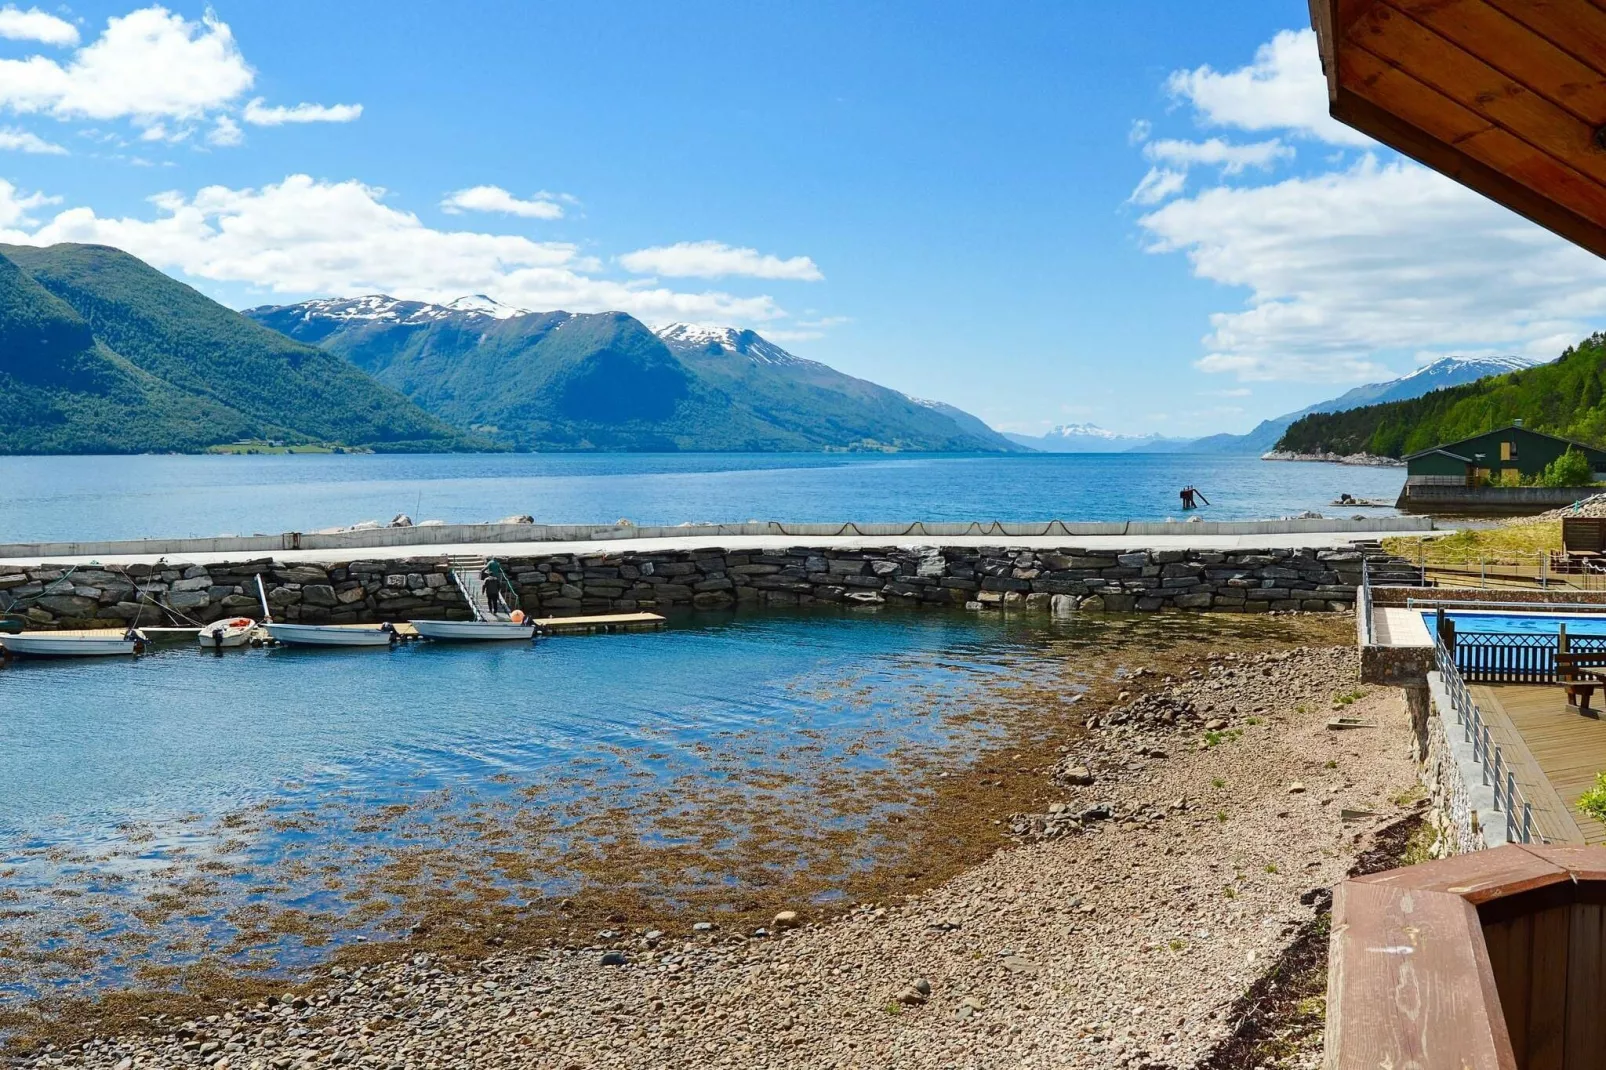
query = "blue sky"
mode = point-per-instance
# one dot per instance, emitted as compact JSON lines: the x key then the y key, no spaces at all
{"x":1132,"y":214}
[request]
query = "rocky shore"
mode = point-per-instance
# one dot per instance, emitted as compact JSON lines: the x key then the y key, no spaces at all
{"x":355,"y":592}
{"x":1195,"y":821}
{"x":1364,"y":460}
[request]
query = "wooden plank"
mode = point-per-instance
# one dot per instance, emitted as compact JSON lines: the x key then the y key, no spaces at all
{"x":1570,"y":750}
{"x":1401,"y":41}
{"x":1573,"y":26}
{"x":1515,"y":50}
{"x":1586,"y":988}
{"x":1410,"y":984}
{"x":1547,"y":991}
{"x":1477,"y":877}
{"x":1552,"y":814}
{"x":1510,"y":946}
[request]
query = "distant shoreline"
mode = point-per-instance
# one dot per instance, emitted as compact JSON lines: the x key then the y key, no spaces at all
{"x":1365,"y":460}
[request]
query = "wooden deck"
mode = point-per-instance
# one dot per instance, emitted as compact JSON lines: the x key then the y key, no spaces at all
{"x":1556,"y":754}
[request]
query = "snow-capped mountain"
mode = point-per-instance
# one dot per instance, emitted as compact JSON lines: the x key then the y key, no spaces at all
{"x":744,"y":343}
{"x":603,"y":380}
{"x":384,"y":308}
{"x":1089,"y":438}
{"x":1446,"y":371}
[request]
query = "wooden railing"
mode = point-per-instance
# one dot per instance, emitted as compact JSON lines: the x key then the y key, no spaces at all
{"x":1494,"y":960}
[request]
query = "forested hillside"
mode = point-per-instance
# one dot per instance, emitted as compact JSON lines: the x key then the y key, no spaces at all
{"x":1560,"y":398}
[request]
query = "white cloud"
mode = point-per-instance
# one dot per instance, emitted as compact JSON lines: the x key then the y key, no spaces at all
{"x":306,"y":236}
{"x":16,"y":207}
{"x":23,"y":141}
{"x":497,"y":199}
{"x":1157,"y":185}
{"x":259,"y":114}
{"x":1343,"y":267}
{"x":1232,"y":159}
{"x":36,"y":25}
{"x":1140,"y":131}
{"x":147,"y":65}
{"x":712,"y":260}
{"x":225,"y":132}
{"x":1283,"y":89}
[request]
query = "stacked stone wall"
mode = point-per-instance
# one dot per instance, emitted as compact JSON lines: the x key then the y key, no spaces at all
{"x":357,"y":591}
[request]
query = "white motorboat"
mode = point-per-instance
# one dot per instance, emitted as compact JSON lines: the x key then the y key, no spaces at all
{"x":46,"y":645}
{"x":226,"y":633}
{"x":474,"y":629}
{"x":330,"y":634}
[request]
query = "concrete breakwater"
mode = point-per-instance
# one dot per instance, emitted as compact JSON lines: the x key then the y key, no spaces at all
{"x":354,"y":592}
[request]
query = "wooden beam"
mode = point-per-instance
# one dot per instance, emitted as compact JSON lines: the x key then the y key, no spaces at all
{"x":1443,"y":120}
{"x":1410,"y":983}
{"x":1401,"y":41}
{"x":1574,"y":26}
{"x":1516,"y":51}
{"x":1370,"y":119}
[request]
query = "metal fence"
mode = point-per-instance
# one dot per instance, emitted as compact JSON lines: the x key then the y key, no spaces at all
{"x":1490,"y":758}
{"x":1363,"y":605}
{"x":1514,"y":658}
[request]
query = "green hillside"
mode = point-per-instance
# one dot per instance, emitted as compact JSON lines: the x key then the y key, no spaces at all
{"x":1561,"y":398}
{"x":61,"y":391}
{"x":105,"y":353}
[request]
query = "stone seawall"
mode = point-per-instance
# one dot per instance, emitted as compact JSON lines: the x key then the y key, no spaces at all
{"x":1071,"y":579}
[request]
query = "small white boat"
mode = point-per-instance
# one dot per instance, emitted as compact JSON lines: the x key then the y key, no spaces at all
{"x":226,"y":633}
{"x":474,"y":629}
{"x":45,"y":645}
{"x":330,"y":635}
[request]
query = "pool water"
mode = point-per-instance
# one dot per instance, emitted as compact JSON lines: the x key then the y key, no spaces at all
{"x":1523,"y":623}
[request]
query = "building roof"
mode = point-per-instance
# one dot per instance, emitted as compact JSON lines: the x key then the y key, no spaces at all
{"x":1446,"y":447}
{"x":1507,"y":97}
{"x":1437,"y":449}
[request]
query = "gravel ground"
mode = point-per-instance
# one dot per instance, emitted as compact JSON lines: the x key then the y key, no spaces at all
{"x":1115,"y":931}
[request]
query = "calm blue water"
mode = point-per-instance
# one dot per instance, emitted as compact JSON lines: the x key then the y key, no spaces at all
{"x":1524,"y":623}
{"x":67,"y":498}
{"x":273,"y":780}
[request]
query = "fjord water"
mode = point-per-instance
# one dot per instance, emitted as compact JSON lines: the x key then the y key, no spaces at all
{"x":243,"y":781}
{"x":79,"y":498}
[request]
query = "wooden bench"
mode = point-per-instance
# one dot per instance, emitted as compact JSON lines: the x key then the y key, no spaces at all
{"x":1580,"y":688}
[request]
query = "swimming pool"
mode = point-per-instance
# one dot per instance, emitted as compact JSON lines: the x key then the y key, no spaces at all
{"x":1517,"y":623}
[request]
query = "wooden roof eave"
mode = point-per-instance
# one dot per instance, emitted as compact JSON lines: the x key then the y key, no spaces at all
{"x":1332,"y":19}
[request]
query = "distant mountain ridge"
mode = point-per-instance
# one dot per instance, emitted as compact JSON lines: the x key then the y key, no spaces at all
{"x":101,"y":353}
{"x":1565,"y":397}
{"x":1444,"y":372}
{"x":560,"y":380}
{"x":1091,"y":438}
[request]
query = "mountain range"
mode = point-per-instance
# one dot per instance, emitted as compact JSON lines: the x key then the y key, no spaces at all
{"x":1444,"y":372}
{"x":1566,"y":397}
{"x":560,"y":380}
{"x":101,"y":353}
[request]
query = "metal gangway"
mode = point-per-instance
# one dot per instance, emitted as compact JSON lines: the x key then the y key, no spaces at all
{"x":466,"y":571}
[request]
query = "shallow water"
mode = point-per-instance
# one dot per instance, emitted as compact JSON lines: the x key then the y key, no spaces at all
{"x":159,"y":808}
{"x":79,"y":498}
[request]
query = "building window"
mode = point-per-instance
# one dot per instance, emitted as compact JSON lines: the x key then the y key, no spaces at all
{"x":1508,"y":451}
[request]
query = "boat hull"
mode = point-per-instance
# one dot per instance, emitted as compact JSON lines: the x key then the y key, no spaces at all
{"x":68,"y":646}
{"x":473,"y":630}
{"x":225,"y":634}
{"x":329,"y":635}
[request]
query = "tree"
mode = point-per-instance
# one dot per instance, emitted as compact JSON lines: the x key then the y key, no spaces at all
{"x":1571,"y":469}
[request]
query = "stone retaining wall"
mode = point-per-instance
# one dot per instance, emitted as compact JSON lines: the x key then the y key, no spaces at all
{"x":1067,"y":580}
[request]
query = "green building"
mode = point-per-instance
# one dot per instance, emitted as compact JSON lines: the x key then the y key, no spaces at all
{"x":1502,"y":458}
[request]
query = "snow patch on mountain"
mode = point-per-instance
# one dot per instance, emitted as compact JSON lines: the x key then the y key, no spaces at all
{"x":749,"y":344}
{"x":384,"y":308}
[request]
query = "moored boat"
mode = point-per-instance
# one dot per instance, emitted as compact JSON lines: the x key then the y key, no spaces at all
{"x":474,"y":629}
{"x":330,"y":634}
{"x":229,"y":632}
{"x":48,"y":645}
